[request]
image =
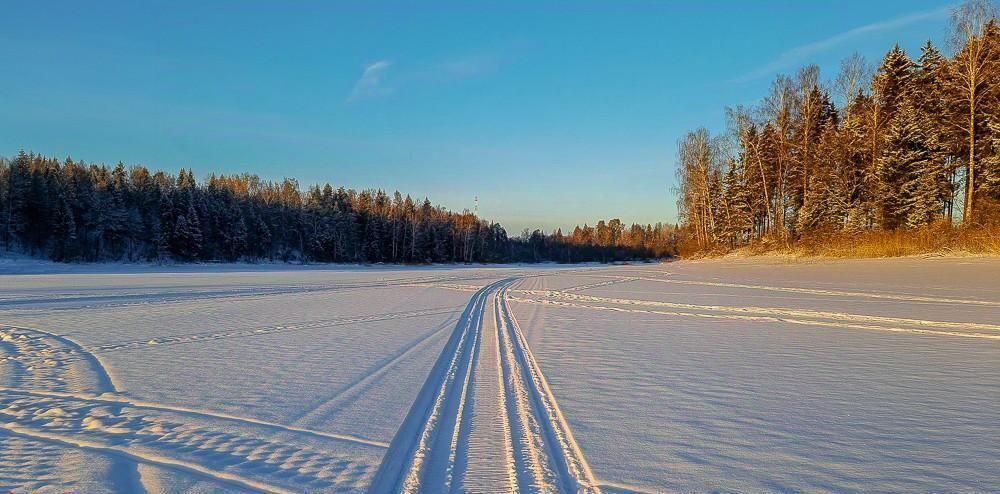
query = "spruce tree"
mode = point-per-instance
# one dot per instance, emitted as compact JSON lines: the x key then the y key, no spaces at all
{"x":187,"y":236}
{"x":928,"y":97}
{"x":63,"y":232}
{"x":889,"y":87}
{"x":905,"y":159}
{"x":16,"y":222}
{"x":739,"y":220}
{"x":891,"y":82}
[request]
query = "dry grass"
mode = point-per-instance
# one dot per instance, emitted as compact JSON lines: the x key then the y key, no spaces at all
{"x":935,"y":239}
{"x":938,"y":239}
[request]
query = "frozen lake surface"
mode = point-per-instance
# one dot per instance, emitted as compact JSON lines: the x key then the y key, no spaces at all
{"x":716,"y":376}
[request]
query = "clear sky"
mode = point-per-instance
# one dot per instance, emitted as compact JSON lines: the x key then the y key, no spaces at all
{"x":553,"y":113}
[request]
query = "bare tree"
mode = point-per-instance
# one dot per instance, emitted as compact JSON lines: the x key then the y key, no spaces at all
{"x":972,"y":77}
{"x":698,"y":157}
{"x":808,"y":103}
{"x":778,"y":111}
{"x":854,"y":75}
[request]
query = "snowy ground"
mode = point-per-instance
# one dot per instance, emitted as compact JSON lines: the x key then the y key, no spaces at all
{"x":723,"y":376}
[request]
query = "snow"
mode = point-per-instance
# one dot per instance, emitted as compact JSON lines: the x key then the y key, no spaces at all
{"x":810,"y":377}
{"x":714,"y":376}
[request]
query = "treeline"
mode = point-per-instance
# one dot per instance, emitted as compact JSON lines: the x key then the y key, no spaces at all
{"x":913,"y":142}
{"x":74,"y":211}
{"x":605,"y":242}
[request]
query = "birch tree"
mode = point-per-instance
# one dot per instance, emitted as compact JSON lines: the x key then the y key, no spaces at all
{"x":972,"y":77}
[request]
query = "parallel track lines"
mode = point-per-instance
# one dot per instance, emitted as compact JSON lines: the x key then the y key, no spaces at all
{"x":485,"y":419}
{"x":574,"y":473}
{"x":65,"y":397}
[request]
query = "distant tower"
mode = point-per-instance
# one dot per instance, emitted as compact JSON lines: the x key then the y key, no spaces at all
{"x":476,"y":208}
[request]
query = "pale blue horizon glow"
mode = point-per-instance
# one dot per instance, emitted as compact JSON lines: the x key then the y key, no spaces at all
{"x":554,"y":114}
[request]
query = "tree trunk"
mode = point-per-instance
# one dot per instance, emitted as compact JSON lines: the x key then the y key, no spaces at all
{"x":970,"y":168}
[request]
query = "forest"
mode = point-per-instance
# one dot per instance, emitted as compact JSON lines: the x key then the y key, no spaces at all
{"x":910,"y":144}
{"x":72,"y":211}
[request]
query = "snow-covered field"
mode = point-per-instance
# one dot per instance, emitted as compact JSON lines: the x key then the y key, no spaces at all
{"x":722,"y":376}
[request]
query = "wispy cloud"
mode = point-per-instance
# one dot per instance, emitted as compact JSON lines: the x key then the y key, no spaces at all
{"x":378,"y":81}
{"x":465,"y":67}
{"x":800,"y":53}
{"x":371,"y":84}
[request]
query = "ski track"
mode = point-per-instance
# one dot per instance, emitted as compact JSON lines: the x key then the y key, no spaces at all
{"x":485,"y":419}
{"x":333,"y":403}
{"x":751,"y":318}
{"x":204,"y":336}
{"x":599,"y":284}
{"x":768,"y":314}
{"x":58,"y":395}
{"x":817,"y":291}
{"x":65,"y":302}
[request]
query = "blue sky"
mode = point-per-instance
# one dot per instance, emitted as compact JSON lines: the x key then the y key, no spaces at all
{"x":552,"y":113}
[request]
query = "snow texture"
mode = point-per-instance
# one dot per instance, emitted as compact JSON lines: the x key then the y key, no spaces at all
{"x":722,"y":376}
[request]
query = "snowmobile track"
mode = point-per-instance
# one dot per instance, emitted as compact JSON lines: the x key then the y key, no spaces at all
{"x":58,"y":394}
{"x":485,"y":419}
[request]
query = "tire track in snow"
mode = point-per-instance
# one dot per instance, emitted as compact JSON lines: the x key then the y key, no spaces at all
{"x":57,"y":403}
{"x":485,"y":418}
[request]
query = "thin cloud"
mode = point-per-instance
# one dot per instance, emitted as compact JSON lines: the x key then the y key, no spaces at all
{"x":371,"y":84}
{"x":466,"y":67}
{"x":800,"y":53}
{"x":457,"y":69}
{"x":373,"y":81}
